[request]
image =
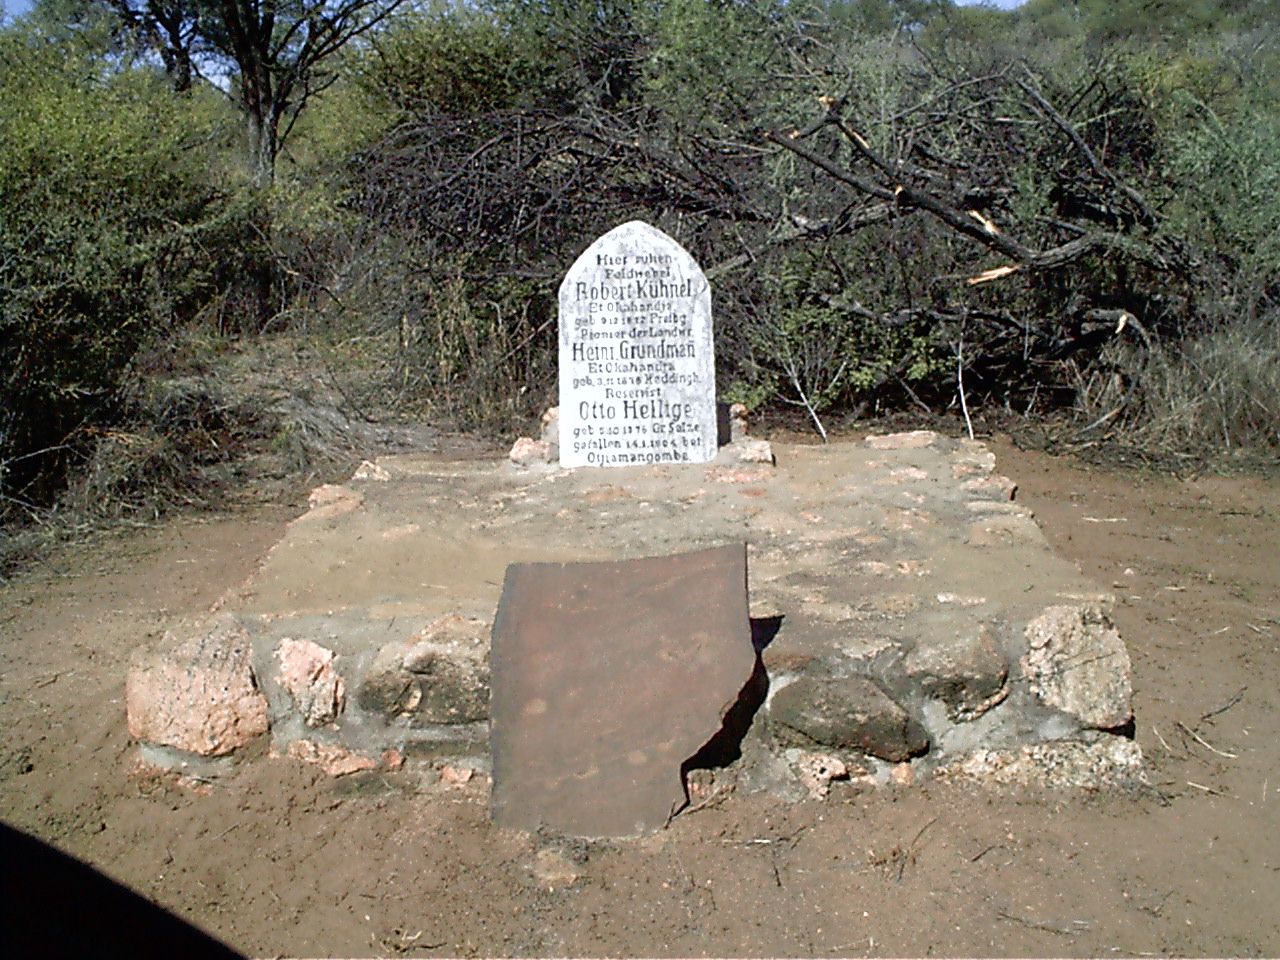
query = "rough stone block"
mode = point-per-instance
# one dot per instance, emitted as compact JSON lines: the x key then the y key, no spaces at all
{"x":1077,"y":663}
{"x":737,"y":422}
{"x":993,"y":487}
{"x":1058,"y":764}
{"x":527,"y":452}
{"x":368,"y":470}
{"x":197,"y":694}
{"x":848,"y":713}
{"x":328,"y":501}
{"x":308,"y":674}
{"x":439,"y":676}
{"x":964,"y":670}
{"x":911,"y":440}
{"x":754,"y":451}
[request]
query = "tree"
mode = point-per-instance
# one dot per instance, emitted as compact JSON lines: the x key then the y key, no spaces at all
{"x":280,"y":49}
{"x":170,"y":28}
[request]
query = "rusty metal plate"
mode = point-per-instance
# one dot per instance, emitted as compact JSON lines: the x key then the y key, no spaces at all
{"x":606,"y":678}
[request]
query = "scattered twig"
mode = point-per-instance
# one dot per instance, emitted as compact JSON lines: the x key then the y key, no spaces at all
{"x":1036,"y":925}
{"x":984,"y":851}
{"x":909,"y":854}
{"x":1235,"y":698}
{"x":1162,"y":739}
{"x":1203,"y":742}
{"x":1212,"y":790}
{"x":719,"y":794}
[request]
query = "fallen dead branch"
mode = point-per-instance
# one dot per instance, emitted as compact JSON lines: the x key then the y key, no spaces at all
{"x":1203,"y":742}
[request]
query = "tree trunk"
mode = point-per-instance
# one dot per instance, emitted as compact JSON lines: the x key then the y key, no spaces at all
{"x":263,"y":144}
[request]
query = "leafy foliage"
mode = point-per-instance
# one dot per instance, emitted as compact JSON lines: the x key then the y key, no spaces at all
{"x":1076,"y":202}
{"x":111,"y":232}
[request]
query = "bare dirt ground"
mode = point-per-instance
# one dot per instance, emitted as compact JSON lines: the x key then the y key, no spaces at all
{"x":279,"y":860}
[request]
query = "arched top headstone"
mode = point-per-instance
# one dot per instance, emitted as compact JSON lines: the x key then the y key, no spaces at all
{"x":637,"y":363}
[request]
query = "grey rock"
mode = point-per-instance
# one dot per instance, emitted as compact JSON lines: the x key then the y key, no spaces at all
{"x":1060,"y":764}
{"x":441,"y":675}
{"x":964,"y":669}
{"x":847,"y":713}
{"x":1077,"y":663}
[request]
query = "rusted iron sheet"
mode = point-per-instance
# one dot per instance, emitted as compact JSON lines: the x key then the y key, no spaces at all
{"x":606,"y":677}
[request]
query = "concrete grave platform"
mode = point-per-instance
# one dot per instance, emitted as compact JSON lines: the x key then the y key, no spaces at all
{"x":923,"y":625}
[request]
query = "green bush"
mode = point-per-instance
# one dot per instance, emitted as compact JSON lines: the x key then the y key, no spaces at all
{"x":112,"y":230}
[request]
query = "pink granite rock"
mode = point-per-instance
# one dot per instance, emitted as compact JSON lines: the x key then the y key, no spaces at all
{"x":330,"y":500}
{"x":307,"y":673}
{"x":334,"y":760}
{"x":198,"y":694}
{"x":526,"y":452}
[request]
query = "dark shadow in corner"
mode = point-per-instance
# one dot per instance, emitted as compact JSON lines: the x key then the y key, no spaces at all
{"x":763,"y":630}
{"x":52,"y":905}
{"x":1128,"y":729}
{"x":726,"y":746}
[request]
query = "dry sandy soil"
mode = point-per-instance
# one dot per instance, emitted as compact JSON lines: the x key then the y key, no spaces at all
{"x":279,"y":860}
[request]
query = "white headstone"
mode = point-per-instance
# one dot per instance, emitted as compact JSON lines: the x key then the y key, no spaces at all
{"x":637,"y":364}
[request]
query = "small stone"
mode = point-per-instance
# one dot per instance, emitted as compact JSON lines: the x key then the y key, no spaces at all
{"x":328,"y":501}
{"x":960,"y":600}
{"x":902,"y":775}
{"x":817,"y":770}
{"x":912,"y":440}
{"x":1058,"y":764}
{"x":755,"y":451}
{"x":553,"y":869}
{"x":392,"y":760}
{"x":849,"y":713}
{"x":402,"y":532}
{"x":369,"y":470}
{"x":737,"y":422}
{"x":334,"y":760}
{"x":527,"y":452}
{"x":456,"y":777}
{"x":199,"y":694}
{"x":1005,"y":530}
{"x":307,"y":673}
{"x":993,"y":487}
{"x":963,"y":669}
{"x":551,"y":426}
{"x":1077,"y":663}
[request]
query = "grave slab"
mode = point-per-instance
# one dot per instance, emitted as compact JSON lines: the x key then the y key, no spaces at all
{"x":607,"y":678}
